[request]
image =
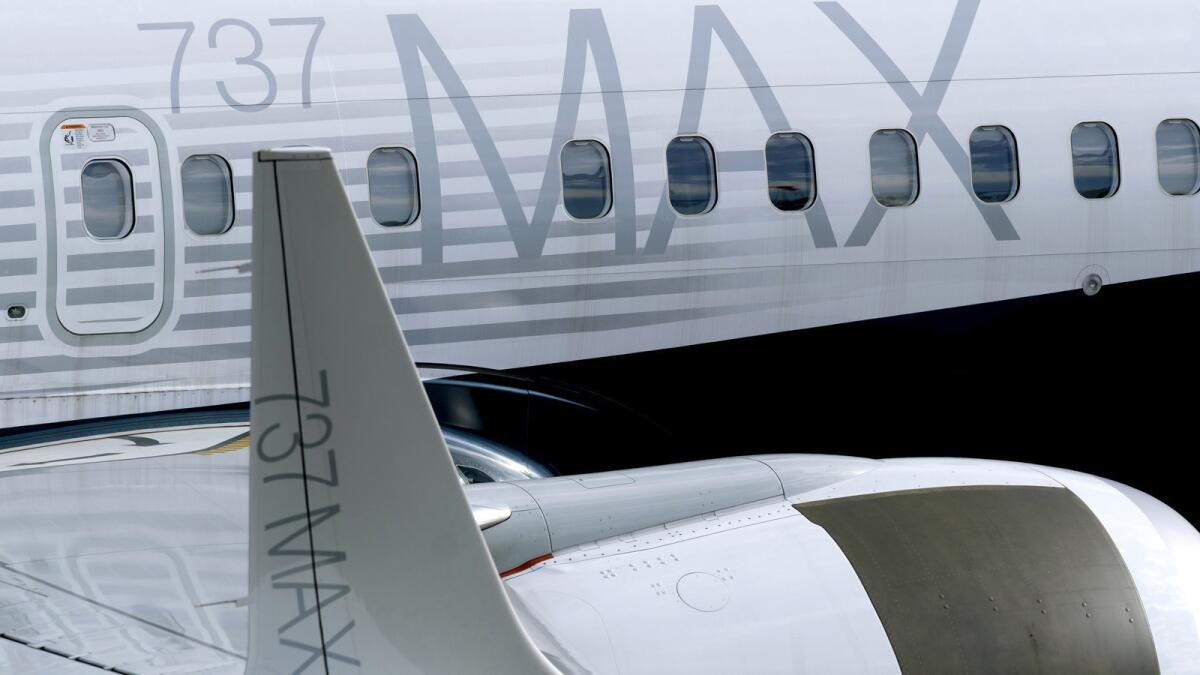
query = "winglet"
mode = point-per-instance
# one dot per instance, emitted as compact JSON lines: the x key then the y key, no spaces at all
{"x":364,"y":554}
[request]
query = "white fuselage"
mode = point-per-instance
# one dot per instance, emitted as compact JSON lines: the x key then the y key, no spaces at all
{"x":494,"y":272}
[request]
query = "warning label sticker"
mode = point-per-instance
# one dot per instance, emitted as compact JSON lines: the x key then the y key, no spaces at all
{"x":101,"y":133}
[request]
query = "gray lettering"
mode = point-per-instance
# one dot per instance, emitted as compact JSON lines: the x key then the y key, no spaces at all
{"x":710,"y":20}
{"x":586,"y":30}
{"x":925,"y":108}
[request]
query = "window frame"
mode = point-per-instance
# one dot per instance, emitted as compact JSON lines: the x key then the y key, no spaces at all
{"x":1158,"y":157}
{"x":611,"y":204}
{"x":419,"y":204}
{"x":1116,"y":145}
{"x":1016,"y":154}
{"x":130,"y":184}
{"x":916,"y":155}
{"x":716,"y":175}
{"x":232,"y":194}
{"x":812,"y":155}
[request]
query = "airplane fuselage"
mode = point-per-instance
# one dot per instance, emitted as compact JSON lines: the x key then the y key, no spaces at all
{"x":492,"y":269}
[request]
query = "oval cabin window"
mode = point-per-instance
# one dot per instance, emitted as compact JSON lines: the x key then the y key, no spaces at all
{"x":392,"y":183}
{"x":107,"y":187}
{"x":587,"y":180}
{"x":691,"y":176}
{"x":207,"y":194}
{"x":791,"y":172}
{"x":895,"y":178}
{"x":1096,"y":160}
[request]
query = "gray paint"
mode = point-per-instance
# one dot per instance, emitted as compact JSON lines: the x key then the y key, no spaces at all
{"x":154,"y":357}
{"x":19,"y":267}
{"x":15,"y":132}
{"x":27,"y":300}
{"x":17,"y":233}
{"x":574,"y":325}
{"x":194,"y":255}
{"x":586,"y":260}
{"x":74,"y":195}
{"x":91,"y":262}
{"x":107,"y":295}
{"x":205,"y":288}
{"x":993,"y":580}
{"x":925,"y":109}
{"x":11,"y":334}
{"x":16,"y":199}
{"x":11,"y":165}
{"x":76,"y":161}
{"x":711,"y":21}
{"x":506,"y":330}
{"x":144,"y":225}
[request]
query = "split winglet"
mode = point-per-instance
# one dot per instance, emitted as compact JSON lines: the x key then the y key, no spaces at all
{"x":364,"y":554}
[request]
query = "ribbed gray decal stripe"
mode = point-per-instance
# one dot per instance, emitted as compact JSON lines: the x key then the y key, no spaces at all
{"x":19,"y":267}
{"x":16,"y":199}
{"x":205,"y":288}
{"x":572,"y":325}
{"x":576,"y":261}
{"x":16,"y":233}
{"x":144,"y":225}
{"x":741,"y":161}
{"x":194,"y":255}
{"x":513,"y":329}
{"x":15,"y":132}
{"x":156,"y":357}
{"x":618,"y":290}
{"x":503,"y":266}
{"x":26,"y":300}
{"x":91,"y":262}
{"x":11,"y":165}
{"x":104,"y":295}
{"x":236,"y":318}
{"x":131,"y":157}
{"x":11,"y":334}
{"x":74,"y":195}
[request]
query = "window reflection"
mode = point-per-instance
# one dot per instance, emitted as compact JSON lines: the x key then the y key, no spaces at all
{"x":207,"y":194}
{"x":587,"y":185}
{"x":894,"y":173}
{"x":994,"y":170}
{"x":108,"y":211}
{"x":392,"y":183}
{"x":1179,"y":157}
{"x":791,"y":172}
{"x":692,"y":175}
{"x":1097,"y":165}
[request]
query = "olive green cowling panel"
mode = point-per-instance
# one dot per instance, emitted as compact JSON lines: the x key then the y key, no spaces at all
{"x":993,"y":580}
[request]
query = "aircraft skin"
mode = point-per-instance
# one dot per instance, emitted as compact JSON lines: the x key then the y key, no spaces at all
{"x":494,"y":273}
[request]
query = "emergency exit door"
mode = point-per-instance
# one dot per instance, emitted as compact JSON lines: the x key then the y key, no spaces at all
{"x":108,"y":268}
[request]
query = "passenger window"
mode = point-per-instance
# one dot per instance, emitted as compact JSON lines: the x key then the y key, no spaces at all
{"x":392,"y":182}
{"x":791,"y":172}
{"x":1179,"y":157}
{"x":895,"y":177}
{"x":207,"y":194}
{"x":108,"y":211}
{"x":1097,"y":163}
{"x":995,"y":173}
{"x":587,"y":181}
{"x":691,"y":175}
